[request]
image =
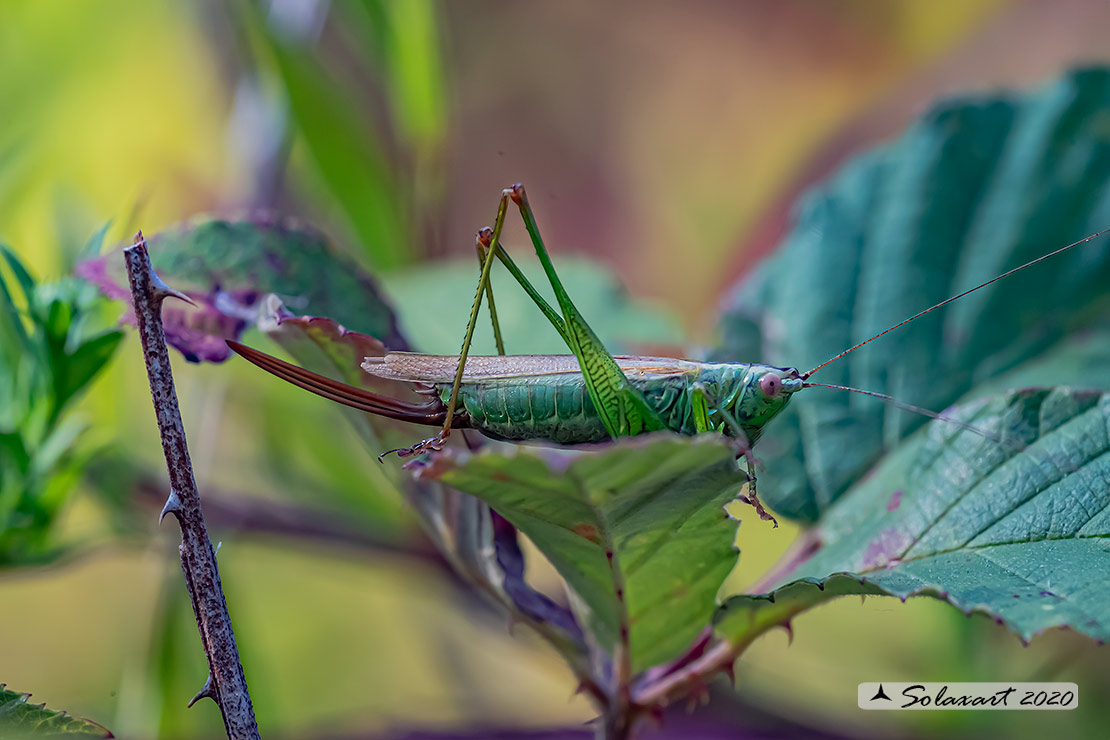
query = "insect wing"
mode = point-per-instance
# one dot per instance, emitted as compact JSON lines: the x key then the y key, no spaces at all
{"x":415,"y":367}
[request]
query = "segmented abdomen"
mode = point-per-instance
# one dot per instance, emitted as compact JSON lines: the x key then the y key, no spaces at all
{"x":557,"y":408}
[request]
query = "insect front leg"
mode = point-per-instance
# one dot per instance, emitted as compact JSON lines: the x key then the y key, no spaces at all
{"x":702,"y":401}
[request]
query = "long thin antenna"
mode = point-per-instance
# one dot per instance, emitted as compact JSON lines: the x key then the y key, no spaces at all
{"x":953,"y":298}
{"x":909,"y":407}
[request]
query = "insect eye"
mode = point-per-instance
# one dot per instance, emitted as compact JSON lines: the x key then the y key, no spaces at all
{"x":770,"y":384}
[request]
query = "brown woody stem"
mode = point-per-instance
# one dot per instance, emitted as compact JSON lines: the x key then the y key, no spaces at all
{"x":226,"y":684}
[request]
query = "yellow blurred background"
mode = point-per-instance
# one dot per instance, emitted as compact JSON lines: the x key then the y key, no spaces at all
{"x":664,"y":139}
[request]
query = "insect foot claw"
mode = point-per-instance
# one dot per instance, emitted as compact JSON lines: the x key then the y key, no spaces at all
{"x":431,"y":444}
{"x":753,"y":500}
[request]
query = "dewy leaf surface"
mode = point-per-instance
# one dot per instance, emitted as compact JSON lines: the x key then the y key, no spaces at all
{"x":21,"y":719}
{"x":975,"y":187}
{"x":1016,"y":525}
{"x":644,"y":517}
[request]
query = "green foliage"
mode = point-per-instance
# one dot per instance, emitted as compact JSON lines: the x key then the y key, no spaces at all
{"x":18,"y":719}
{"x":51,"y":347}
{"x":1012,"y":526}
{"x":638,"y":530}
{"x":1002,"y":521}
{"x":430,"y":301}
{"x":977,"y":186}
{"x":355,"y":155}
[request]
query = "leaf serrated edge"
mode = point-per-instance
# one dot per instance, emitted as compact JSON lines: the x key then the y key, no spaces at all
{"x":56,"y":714}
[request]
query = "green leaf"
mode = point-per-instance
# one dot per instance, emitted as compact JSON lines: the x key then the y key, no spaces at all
{"x":26,"y":282}
{"x":638,"y":530}
{"x":39,"y":376}
{"x":19,"y":719}
{"x":229,"y":267}
{"x":407,"y":39}
{"x":1012,"y":524}
{"x":13,"y":334}
{"x":81,"y":366}
{"x":975,"y":187}
{"x":432,"y":299}
{"x":341,"y":142}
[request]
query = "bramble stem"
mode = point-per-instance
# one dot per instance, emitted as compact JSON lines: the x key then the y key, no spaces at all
{"x":226,"y":684}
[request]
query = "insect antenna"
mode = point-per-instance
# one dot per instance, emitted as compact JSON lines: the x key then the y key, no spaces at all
{"x":911,"y":408}
{"x":918,"y":315}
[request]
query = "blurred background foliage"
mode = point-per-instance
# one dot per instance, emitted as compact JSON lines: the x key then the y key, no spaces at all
{"x":662,"y":140}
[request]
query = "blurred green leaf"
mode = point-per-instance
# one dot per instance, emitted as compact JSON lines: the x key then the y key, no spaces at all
{"x":404,"y":39}
{"x":340,"y":140}
{"x":975,"y":187}
{"x":13,"y":334}
{"x":26,"y":283}
{"x":432,"y":302}
{"x":1011,"y":524}
{"x":83,"y":364}
{"x":638,"y":530}
{"x":19,"y":719}
{"x":55,"y":350}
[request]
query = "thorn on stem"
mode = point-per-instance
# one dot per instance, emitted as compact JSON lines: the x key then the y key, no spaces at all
{"x":729,"y":670}
{"x":207,"y":691}
{"x":789,"y":627}
{"x":173,"y":505}
{"x":161,"y":289}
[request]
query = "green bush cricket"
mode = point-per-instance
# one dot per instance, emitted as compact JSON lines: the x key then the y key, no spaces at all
{"x":585,"y":397}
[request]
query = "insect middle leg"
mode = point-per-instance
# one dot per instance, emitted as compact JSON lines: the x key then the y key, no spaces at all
{"x":488,"y":246}
{"x":701,"y":401}
{"x":436,"y":443}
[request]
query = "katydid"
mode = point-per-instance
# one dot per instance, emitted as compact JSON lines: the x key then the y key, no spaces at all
{"x":584,"y":397}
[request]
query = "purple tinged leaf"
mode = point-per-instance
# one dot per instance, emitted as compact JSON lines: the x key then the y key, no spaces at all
{"x":229,"y":267}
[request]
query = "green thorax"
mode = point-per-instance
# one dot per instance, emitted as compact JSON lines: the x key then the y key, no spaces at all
{"x":557,"y":407}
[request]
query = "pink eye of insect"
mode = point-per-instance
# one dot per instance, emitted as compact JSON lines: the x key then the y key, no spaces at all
{"x":770,"y":384}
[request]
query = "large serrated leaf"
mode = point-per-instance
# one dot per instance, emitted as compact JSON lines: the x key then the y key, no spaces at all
{"x":638,"y":530}
{"x":20,"y":719}
{"x":975,"y":187}
{"x":1015,"y":524}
